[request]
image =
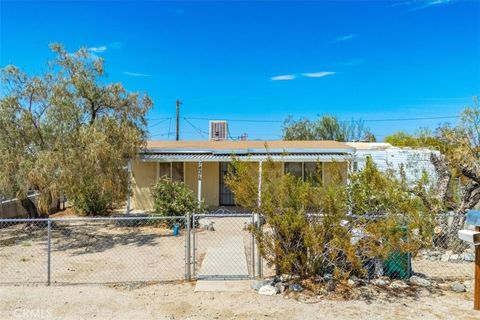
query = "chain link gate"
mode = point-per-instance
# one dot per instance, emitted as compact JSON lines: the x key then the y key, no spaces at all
{"x":223,"y":248}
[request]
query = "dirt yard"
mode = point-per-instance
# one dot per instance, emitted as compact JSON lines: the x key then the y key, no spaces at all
{"x":178,"y":301}
{"x":91,"y":252}
{"x":88,"y":257}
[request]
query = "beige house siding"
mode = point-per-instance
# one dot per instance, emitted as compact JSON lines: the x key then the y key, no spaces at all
{"x":191,"y":178}
{"x":210,"y":181}
{"x":144,"y":176}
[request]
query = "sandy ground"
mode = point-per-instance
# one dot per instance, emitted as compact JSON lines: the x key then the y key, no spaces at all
{"x":178,"y":301}
{"x":85,"y":255}
{"x":92,"y":253}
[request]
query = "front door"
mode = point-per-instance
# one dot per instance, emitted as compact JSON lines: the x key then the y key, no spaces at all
{"x":226,"y":195}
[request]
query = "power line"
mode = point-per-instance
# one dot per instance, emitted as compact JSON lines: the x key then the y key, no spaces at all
{"x":169,"y":126}
{"x":200,"y":131}
{"x":161,"y":134}
{"x":363,"y":120}
{"x":160,"y":122}
{"x":234,"y":120}
{"x":410,"y":119}
{"x":158,"y":119}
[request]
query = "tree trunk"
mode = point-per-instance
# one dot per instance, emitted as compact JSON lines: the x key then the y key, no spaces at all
{"x":30,"y":207}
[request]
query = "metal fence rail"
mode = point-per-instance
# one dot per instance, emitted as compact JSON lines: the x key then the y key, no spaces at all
{"x":444,"y":257}
{"x":155,"y":248}
{"x":92,"y":250}
{"x":223,"y":246}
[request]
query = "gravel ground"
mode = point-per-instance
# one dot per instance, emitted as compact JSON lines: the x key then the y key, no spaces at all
{"x":178,"y":301}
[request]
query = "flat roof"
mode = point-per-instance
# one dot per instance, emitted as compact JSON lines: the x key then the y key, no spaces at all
{"x":249,"y":146}
{"x":369,"y":145}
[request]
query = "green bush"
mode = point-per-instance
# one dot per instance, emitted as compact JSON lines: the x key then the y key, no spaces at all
{"x":174,"y":198}
{"x":90,"y":199}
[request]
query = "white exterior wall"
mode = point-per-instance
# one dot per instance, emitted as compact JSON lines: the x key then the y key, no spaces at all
{"x":414,"y":161}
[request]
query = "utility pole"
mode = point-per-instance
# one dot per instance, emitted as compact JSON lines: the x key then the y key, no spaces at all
{"x":177,"y":136}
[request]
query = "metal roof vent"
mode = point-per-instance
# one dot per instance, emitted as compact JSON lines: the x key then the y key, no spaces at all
{"x":218,"y":130}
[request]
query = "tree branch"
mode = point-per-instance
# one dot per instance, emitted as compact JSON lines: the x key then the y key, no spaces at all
{"x":444,"y":175}
{"x":471,"y":174}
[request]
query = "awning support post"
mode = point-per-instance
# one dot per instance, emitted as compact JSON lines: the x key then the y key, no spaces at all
{"x":129,"y":185}
{"x":259,"y":200}
{"x":259,"y":220}
{"x":199,"y":191}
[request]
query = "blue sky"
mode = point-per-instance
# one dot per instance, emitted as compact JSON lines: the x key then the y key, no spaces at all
{"x":263,"y":61}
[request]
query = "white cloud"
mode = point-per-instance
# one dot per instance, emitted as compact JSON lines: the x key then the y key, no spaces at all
{"x":344,"y":38}
{"x":135,"y":74}
{"x":98,"y":49}
{"x":283,"y":77}
{"x":429,"y":3}
{"x":415,"y":5}
{"x":320,"y":74}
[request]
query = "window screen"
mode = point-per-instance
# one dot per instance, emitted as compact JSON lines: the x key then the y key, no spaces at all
{"x":177,"y":171}
{"x":164,"y":169}
{"x":294,"y":168}
{"x":313,"y":171}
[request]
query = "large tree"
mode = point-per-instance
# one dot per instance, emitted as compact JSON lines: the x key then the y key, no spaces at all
{"x":68,"y":131}
{"x":326,"y":128}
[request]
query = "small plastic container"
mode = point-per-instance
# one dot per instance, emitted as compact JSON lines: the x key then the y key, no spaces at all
{"x":176,"y":229}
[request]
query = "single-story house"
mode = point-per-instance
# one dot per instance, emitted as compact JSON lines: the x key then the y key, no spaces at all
{"x":202,"y":165}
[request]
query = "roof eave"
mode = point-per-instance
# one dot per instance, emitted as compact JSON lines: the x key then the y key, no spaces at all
{"x":249,"y":151}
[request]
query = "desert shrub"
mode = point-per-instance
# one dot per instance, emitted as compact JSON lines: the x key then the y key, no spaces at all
{"x":314,"y":229}
{"x":174,"y":198}
{"x":91,"y":199}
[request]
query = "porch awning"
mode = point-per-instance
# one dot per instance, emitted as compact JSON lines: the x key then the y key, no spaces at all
{"x":196,"y":157}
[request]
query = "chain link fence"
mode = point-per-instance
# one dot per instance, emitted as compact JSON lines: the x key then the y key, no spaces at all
{"x":223,"y":246}
{"x":440,"y":255}
{"x":199,"y":246}
{"x":23,"y":251}
{"x":446,"y":257}
{"x":92,"y":250}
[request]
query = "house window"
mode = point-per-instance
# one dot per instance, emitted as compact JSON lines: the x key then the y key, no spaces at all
{"x":164,"y":170}
{"x":307,"y":171}
{"x":227,"y":198}
{"x":177,"y":171}
{"x":172,"y":170}
{"x":313,"y":171}
{"x":294,"y":168}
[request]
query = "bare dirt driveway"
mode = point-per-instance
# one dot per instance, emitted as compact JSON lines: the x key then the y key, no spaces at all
{"x":179,"y":301}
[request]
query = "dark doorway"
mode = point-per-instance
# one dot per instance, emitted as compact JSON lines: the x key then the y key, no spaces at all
{"x":226,"y":195}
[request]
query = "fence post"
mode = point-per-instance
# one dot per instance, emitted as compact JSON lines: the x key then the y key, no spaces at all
{"x":129,"y":185}
{"x":259,"y":257}
{"x":188,"y":275}
{"x":49,"y":244}
{"x":253,"y":246}
{"x":194,"y":246}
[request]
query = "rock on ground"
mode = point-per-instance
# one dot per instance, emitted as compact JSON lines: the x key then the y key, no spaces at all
{"x":379,"y":282}
{"x":268,"y":290}
{"x":257,"y":284}
{"x":398,"y":284}
{"x":458,"y":287}
{"x":416,"y":280}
